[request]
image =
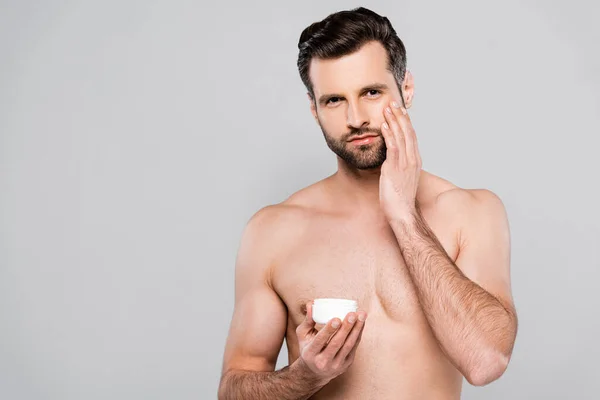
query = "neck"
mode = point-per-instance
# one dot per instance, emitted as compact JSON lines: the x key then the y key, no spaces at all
{"x":359,"y":189}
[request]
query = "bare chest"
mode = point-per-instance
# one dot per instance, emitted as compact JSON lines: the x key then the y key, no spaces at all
{"x":353,"y":259}
{"x":363,"y":261}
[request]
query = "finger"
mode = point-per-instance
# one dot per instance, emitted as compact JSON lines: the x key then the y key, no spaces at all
{"x":338,"y":340}
{"x":396,"y":129}
{"x":323,"y":337}
{"x":418,"y":153}
{"x":353,"y":338}
{"x":352,"y":352}
{"x":390,"y":142}
{"x":308,"y":324}
{"x":408,"y":131}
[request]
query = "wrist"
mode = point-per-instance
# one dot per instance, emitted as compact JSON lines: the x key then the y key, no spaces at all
{"x":300,"y":369}
{"x":404,"y":222}
{"x":404,"y":215}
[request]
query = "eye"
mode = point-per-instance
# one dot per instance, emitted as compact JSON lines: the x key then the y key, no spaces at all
{"x":332,"y":100}
{"x":373,"y":92}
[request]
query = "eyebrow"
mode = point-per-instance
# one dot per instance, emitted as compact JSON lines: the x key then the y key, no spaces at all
{"x":375,"y":86}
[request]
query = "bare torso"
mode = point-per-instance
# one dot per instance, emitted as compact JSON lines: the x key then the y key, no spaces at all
{"x":326,"y":251}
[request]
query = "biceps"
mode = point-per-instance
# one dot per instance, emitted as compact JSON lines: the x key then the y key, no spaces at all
{"x":485,"y":255}
{"x":489,"y":267}
{"x":257,"y":331}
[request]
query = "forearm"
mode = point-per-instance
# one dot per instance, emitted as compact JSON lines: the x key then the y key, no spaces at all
{"x":473,"y":327}
{"x":288,"y":383}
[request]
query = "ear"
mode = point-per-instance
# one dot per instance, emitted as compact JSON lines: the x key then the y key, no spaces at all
{"x":408,"y":88}
{"x":313,"y":110}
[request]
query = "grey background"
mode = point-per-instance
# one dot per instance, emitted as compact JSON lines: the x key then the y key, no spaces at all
{"x":137,"y":138}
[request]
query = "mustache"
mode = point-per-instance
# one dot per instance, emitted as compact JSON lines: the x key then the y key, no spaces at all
{"x":362,"y":131}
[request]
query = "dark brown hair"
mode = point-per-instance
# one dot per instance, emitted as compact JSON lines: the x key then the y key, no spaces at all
{"x":343,"y":33}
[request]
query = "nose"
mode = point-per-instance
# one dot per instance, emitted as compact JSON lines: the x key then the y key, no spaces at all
{"x":357,"y":116}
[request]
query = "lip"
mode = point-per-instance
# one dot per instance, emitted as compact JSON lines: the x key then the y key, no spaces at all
{"x":365,"y":139}
{"x":362,"y":137}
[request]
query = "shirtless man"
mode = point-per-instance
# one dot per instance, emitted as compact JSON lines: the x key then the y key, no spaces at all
{"x":427,"y":261}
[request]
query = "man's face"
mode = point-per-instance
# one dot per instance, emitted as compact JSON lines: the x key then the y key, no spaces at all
{"x":350,"y":94}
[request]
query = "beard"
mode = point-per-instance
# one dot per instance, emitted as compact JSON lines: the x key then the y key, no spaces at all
{"x":366,"y":156}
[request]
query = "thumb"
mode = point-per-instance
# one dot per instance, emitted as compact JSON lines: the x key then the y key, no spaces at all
{"x":308,"y":324}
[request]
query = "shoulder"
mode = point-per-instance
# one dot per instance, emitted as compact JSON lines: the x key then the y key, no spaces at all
{"x":265,"y":236}
{"x":470,"y":201}
{"x":473,"y":211}
{"x":272,"y":224}
{"x":273,"y":229}
{"x":289,"y":215}
{"x":444,"y":198}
